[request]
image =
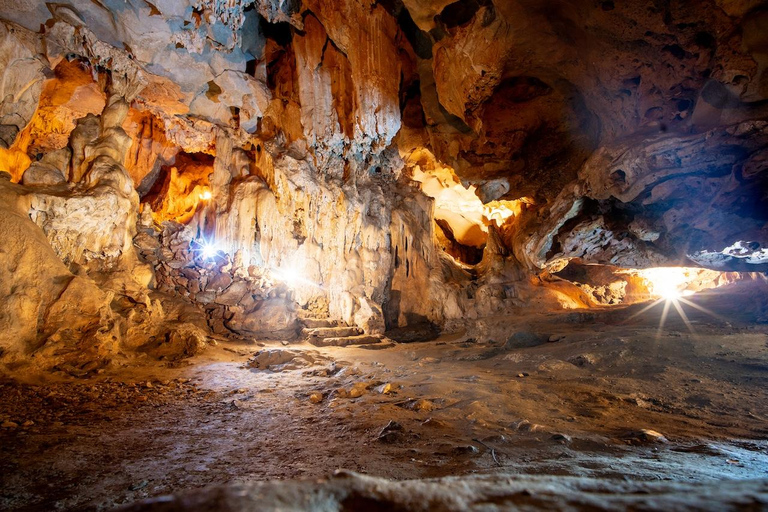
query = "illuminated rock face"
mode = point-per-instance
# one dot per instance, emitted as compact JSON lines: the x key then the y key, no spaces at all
{"x":410,"y":162}
{"x":660,"y":200}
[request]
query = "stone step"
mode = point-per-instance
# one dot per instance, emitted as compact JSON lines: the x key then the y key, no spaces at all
{"x":344,"y":341}
{"x":331,"y":332}
{"x":314,"y":323}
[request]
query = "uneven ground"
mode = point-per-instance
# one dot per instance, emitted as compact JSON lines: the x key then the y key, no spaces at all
{"x":575,"y":407}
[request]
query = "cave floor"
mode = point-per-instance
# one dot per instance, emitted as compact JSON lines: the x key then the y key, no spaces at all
{"x":579,"y":406}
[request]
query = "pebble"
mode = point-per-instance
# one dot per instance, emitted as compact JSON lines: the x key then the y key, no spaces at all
{"x":424,"y":405}
{"x":468,"y":449}
{"x":384,"y":389}
{"x":390,"y":433}
{"x":356,"y":392}
{"x":526,"y":426}
{"x":562,"y":438}
{"x":583,"y":360}
{"x":556,"y":337}
{"x":651,"y":435}
{"x":522,"y":374}
{"x":388,"y":437}
{"x":316,"y":397}
{"x":137,"y":486}
{"x":645,"y":435}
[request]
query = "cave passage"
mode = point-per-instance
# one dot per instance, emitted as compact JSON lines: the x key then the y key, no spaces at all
{"x":397,"y":255}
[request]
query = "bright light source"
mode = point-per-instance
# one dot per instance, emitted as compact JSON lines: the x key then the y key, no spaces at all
{"x":669,"y":285}
{"x":292,"y":276}
{"x":209,"y":250}
{"x":289,"y":275}
{"x":205,"y":195}
{"x":667,"y":282}
{"x":669,"y":293}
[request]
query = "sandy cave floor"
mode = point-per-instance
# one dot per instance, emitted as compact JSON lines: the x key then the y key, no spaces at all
{"x":576,"y":406}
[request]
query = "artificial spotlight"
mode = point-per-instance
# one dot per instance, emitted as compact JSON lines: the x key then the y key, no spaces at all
{"x":209,"y":251}
{"x":205,"y":195}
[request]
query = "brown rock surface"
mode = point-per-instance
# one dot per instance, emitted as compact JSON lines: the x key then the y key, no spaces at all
{"x":178,"y":172}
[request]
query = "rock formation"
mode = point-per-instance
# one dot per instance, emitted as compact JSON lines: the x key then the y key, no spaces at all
{"x":384,"y":165}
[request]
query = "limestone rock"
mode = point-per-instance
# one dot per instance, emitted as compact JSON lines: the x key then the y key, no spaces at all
{"x":271,"y":319}
{"x":180,"y":342}
{"x":42,"y":175}
{"x":23,"y":76}
{"x":402,"y":166}
{"x":95,"y":226}
{"x":44,"y":306}
{"x":642,"y":173}
{"x":375,"y":78}
{"x":233,"y":295}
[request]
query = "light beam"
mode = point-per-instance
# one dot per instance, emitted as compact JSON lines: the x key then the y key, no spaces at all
{"x":668,"y":286}
{"x":292,"y":276}
{"x":209,"y":251}
{"x":206,"y":249}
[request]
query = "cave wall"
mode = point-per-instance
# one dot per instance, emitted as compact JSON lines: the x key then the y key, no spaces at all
{"x":298,"y":137}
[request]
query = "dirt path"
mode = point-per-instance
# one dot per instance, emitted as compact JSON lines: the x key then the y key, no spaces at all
{"x":589,"y":404}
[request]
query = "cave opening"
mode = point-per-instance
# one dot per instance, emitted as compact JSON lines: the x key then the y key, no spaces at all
{"x":397,"y":255}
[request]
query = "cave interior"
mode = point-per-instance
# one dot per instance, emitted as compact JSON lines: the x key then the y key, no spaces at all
{"x":384,"y":255}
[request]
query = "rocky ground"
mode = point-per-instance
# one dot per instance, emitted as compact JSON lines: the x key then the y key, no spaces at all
{"x":601,"y":395}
